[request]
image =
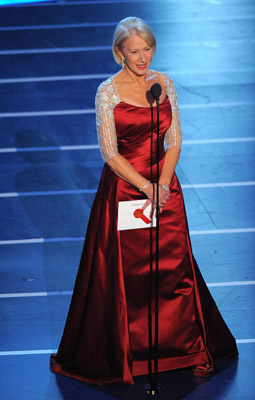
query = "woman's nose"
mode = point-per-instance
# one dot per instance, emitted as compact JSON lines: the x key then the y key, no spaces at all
{"x":142,"y":56}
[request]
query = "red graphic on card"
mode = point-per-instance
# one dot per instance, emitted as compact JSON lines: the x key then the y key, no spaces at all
{"x":138,"y":213}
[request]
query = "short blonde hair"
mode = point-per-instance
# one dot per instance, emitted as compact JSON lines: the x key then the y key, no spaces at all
{"x":127,"y":27}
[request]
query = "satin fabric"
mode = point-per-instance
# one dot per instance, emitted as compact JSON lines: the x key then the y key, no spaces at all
{"x":106,"y":336}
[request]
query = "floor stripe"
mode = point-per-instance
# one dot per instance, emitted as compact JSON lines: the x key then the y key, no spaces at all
{"x":85,"y":147}
{"x":222,"y":231}
{"x":237,"y":283}
{"x":71,"y":3}
{"x":92,"y":111}
{"x":27,"y":352}
{"x":67,"y":26}
{"x":46,"y":113}
{"x":217,"y":185}
{"x":70,"y":292}
{"x":47,"y":193}
{"x":220,"y":140}
{"x":91,"y":191}
{"x":214,"y":105}
{"x":50,"y":351}
{"x":57,"y":78}
{"x":55,"y":50}
{"x":49,"y":148}
{"x":41,"y":240}
{"x":204,"y":43}
{"x":105,"y":76}
{"x":114,"y":23}
{"x":36,"y":294}
{"x":95,"y":146}
{"x":22,"y":241}
{"x":80,"y":238}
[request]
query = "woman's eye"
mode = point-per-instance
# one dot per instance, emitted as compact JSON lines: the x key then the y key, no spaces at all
{"x":148,"y":49}
{"x":133,"y":52}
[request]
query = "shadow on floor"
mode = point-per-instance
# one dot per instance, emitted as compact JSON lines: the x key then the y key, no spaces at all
{"x":175,"y":385}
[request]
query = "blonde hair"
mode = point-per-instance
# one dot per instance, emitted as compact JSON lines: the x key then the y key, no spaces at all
{"x":127,"y":27}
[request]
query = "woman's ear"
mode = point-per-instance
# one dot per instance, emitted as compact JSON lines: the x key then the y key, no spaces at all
{"x":119,"y":52}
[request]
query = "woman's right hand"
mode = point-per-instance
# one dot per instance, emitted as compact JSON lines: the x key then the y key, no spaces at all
{"x":151,"y":193}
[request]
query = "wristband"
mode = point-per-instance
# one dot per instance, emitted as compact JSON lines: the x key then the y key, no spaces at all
{"x":145,"y":186}
{"x":165,"y":187}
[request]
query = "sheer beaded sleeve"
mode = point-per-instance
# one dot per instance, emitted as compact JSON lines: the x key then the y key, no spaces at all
{"x":173,"y":136}
{"x":106,"y":99}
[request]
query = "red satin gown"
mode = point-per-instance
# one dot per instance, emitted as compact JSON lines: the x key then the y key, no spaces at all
{"x":106,"y":336}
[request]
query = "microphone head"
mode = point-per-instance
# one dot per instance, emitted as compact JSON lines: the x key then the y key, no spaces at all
{"x":156,"y":90}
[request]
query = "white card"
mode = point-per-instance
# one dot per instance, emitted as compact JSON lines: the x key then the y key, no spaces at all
{"x":127,"y":219}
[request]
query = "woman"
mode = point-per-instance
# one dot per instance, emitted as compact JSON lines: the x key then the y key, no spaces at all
{"x":106,"y":337}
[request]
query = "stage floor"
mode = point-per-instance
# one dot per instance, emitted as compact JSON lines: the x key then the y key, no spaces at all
{"x":52,"y":58}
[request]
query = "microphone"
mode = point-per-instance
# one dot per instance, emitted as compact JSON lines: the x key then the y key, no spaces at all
{"x":156,"y":91}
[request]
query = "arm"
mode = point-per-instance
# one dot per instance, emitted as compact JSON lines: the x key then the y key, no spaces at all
{"x":170,"y":162}
{"x":173,"y":136}
{"x":173,"y":139}
{"x":122,"y":167}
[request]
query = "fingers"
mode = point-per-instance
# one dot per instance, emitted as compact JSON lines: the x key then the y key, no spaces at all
{"x":146,"y":204}
{"x":153,"y":208}
{"x":163,"y":198}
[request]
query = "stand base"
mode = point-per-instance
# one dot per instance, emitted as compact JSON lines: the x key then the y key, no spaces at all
{"x":151,"y":391}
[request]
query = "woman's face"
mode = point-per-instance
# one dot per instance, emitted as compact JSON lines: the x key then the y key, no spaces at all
{"x":137,"y":54}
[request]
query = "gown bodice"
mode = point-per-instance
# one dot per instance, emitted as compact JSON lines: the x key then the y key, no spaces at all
{"x":120,"y":124}
{"x":136,"y":130}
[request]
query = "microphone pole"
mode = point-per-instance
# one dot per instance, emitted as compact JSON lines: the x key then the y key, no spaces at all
{"x":154,"y":390}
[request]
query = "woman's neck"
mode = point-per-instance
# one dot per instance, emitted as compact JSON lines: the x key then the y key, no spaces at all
{"x":134,"y":78}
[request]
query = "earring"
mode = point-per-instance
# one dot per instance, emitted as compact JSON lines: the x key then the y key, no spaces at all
{"x":122,"y":62}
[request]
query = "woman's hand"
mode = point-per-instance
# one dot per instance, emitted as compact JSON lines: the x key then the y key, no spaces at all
{"x":151,"y":193}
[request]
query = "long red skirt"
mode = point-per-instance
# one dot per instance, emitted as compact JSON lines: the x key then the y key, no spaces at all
{"x":107,"y":335}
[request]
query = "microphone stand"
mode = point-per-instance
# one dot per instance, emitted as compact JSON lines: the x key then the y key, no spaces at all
{"x":154,"y":387}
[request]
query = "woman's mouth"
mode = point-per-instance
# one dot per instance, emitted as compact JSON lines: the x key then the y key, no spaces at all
{"x":141,"y":66}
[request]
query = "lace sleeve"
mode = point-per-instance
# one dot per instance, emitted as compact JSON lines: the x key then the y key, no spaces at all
{"x":173,"y":136}
{"x":106,"y":100}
